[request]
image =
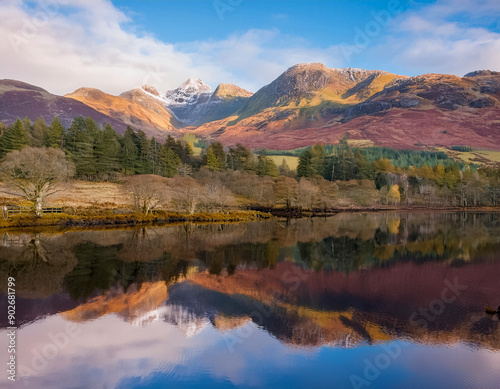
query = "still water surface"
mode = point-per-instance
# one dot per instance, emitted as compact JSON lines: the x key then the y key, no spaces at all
{"x":386,"y":300}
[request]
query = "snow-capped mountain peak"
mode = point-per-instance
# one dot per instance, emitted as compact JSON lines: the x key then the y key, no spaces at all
{"x":195,"y":102}
{"x":193,"y":91}
{"x":195,"y":85}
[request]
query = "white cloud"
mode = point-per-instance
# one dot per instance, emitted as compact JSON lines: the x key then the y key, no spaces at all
{"x":259,"y":56}
{"x":417,"y":24}
{"x":472,"y":8}
{"x":108,"y":352}
{"x":440,"y":38}
{"x":104,"y":352}
{"x":73,"y":43}
{"x":83,"y":45}
{"x":70,"y":44}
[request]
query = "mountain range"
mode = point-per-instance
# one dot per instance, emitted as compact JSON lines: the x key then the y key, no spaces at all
{"x":307,"y":104}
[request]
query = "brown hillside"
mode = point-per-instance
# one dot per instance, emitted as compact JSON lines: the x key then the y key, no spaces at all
{"x":134,"y":108}
{"x":18,"y":99}
{"x":311,"y":103}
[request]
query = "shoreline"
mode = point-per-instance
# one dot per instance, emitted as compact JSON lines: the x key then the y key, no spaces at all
{"x":300,"y":213}
{"x":108,"y":219}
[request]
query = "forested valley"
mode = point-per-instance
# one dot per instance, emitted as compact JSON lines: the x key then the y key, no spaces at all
{"x":193,"y":175}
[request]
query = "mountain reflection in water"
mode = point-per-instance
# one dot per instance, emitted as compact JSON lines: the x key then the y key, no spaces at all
{"x":316,"y":292}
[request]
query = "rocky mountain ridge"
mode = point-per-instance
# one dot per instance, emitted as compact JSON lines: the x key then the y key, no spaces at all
{"x":311,"y":103}
{"x":195,"y":103}
{"x":306,"y":104}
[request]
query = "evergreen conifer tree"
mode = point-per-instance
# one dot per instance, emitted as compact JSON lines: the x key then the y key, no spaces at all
{"x":80,"y":146}
{"x":305,"y":167}
{"x":212,"y":161}
{"x":14,"y":138}
{"x":170,"y":162}
{"x":107,"y":150}
{"x":284,"y":169}
{"x":130,"y":153}
{"x":266,"y":167}
{"x":218,"y":150}
{"x":55,"y":134}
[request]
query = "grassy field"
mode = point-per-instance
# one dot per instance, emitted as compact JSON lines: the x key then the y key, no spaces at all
{"x":197,"y":151}
{"x":480,"y":157}
{"x":292,"y":162}
{"x":360,"y":143}
{"x":81,"y":194}
{"x":278,"y":159}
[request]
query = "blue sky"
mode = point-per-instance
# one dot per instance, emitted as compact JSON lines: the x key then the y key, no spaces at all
{"x":320,"y":22}
{"x":317,"y":24}
{"x":115,"y":45}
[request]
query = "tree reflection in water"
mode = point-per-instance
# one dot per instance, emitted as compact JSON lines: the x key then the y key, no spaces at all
{"x":363,"y":275}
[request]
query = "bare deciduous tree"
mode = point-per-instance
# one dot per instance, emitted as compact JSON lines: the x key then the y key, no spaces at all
{"x":307,"y":194}
{"x":286,"y":190}
{"x":217,"y":197}
{"x":257,"y":189}
{"x":147,"y":192}
{"x":184,"y":170}
{"x":186,"y":192}
{"x":35,"y":173}
{"x":328,"y":192}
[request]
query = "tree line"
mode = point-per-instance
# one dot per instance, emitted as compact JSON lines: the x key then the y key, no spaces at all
{"x":405,"y":176}
{"x":326,"y":176}
{"x":101,"y":153}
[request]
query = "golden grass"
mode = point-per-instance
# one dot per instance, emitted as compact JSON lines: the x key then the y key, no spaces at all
{"x":92,"y":204}
{"x":197,"y":151}
{"x":360,"y":143}
{"x":492,"y":156}
{"x":380,"y":82}
{"x":108,"y":218}
{"x":480,"y":157}
{"x":80,"y":194}
{"x":292,"y":162}
{"x":91,"y":194}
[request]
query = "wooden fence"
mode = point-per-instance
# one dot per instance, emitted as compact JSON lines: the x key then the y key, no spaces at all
{"x":15,"y":209}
